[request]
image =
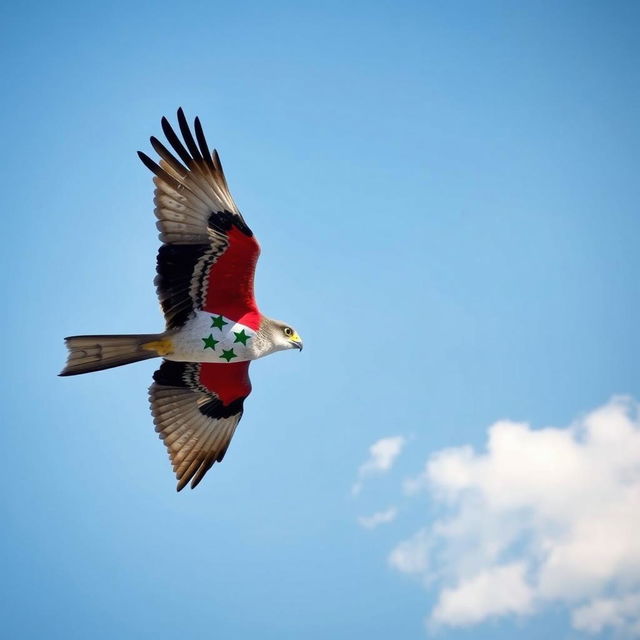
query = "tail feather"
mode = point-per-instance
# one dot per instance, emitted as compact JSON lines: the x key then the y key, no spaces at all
{"x":94,"y":353}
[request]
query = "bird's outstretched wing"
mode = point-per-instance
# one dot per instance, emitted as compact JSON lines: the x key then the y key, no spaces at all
{"x":196,"y":409}
{"x":208,"y":257}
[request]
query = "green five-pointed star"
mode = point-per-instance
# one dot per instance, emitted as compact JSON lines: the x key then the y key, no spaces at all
{"x":218,"y":322}
{"x":209,"y":343}
{"x":228,"y":354}
{"x":241,"y":336}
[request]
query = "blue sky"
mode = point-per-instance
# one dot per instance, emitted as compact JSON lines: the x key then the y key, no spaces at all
{"x":446,"y":195}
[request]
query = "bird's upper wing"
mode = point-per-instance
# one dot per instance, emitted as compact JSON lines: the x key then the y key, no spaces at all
{"x":196,"y":408}
{"x":208,"y":257}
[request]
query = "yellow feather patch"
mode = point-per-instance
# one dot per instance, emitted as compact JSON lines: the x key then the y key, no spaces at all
{"x":161,"y":347}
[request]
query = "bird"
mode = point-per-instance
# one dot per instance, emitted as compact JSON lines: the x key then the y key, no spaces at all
{"x":205,"y":284}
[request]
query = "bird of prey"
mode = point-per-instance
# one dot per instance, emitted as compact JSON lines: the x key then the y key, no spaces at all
{"x":204,"y":281}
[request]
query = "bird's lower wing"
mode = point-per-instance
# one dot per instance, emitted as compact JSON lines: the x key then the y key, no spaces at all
{"x":196,"y":409}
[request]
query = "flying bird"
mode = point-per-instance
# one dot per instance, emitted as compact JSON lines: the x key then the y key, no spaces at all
{"x":214,"y":329}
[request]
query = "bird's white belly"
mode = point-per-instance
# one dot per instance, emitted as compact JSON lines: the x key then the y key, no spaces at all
{"x":209,"y":337}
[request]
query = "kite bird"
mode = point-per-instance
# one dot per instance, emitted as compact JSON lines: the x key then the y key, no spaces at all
{"x":204,"y":280}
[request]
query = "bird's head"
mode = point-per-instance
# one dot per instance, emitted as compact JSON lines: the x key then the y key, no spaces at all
{"x":279,"y":335}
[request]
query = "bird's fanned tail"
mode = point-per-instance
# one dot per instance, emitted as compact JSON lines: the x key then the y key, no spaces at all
{"x":94,"y":353}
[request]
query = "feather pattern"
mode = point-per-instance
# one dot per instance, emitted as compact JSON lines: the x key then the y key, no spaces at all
{"x":194,"y":425}
{"x":195,"y":214}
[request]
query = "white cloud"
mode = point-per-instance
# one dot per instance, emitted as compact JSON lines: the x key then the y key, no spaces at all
{"x":542,"y":516}
{"x":412,"y":555}
{"x":494,"y":591}
{"x":378,"y":518}
{"x":382,"y":455}
{"x":619,"y":613}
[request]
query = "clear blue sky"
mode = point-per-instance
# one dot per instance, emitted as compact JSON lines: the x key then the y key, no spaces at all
{"x":446,"y":195}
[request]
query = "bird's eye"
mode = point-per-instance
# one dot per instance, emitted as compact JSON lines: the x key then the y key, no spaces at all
{"x":288,"y":331}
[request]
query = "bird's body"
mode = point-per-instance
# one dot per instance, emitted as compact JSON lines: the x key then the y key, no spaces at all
{"x":214,"y":338}
{"x":204,"y":280}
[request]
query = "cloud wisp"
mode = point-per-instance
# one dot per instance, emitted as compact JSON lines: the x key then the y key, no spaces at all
{"x":382,"y":455}
{"x":378,"y":518}
{"x":541,"y":517}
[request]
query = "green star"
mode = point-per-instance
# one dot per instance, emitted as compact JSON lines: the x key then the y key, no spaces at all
{"x":228,"y":354}
{"x":241,"y":336}
{"x":209,"y":343}
{"x":218,"y":322}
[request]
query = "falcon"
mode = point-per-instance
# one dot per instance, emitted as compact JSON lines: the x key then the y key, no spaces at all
{"x":214,"y":329}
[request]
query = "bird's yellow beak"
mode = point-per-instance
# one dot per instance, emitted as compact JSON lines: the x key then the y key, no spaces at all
{"x":297,"y":341}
